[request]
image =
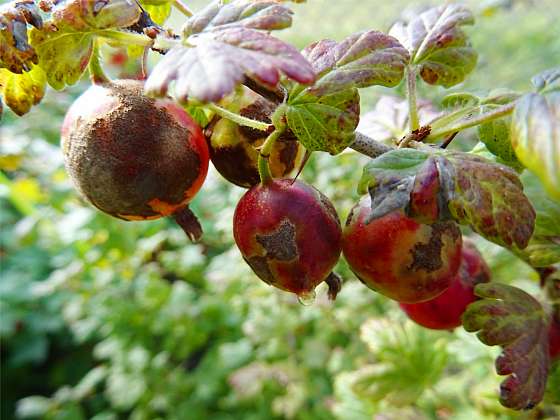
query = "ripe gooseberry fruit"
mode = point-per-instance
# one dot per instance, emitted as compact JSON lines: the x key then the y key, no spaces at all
{"x":290,"y":235}
{"x":134,"y":157}
{"x":399,"y":257}
{"x":233,"y":148}
{"x":554,"y":337}
{"x":444,"y":312}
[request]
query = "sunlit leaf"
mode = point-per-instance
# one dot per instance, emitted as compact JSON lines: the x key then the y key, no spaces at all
{"x":535,"y":137}
{"x":220,"y":61}
{"x":267,"y":15}
{"x":438,"y":45}
{"x":21,"y":91}
{"x":511,"y":318}
{"x":90,"y":15}
{"x":158,"y":12}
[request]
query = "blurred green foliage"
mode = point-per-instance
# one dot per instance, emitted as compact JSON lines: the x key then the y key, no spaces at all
{"x":104,"y":319}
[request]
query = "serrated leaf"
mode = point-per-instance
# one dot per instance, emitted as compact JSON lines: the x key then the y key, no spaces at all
{"x":547,"y":81}
{"x":459,"y":100}
{"x":221,"y":59}
{"x":63,"y":55}
{"x":535,"y":132}
{"x":496,"y":135}
{"x":21,"y":91}
{"x":266,"y":15}
{"x":544,"y":247}
{"x":489,"y":197}
{"x":509,"y":317}
{"x":361,"y":60}
{"x":438,"y":45}
{"x":326,"y":123}
{"x":447,"y":184}
{"x":325,"y":115}
{"x":389,"y":119}
{"x":16,"y":54}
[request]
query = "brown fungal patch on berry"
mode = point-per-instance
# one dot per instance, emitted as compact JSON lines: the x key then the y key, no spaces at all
{"x":134,"y":160}
{"x":427,"y":256}
{"x":260,"y":266}
{"x":281,"y":244}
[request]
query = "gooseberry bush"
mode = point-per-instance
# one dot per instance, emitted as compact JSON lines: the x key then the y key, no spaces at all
{"x":226,"y":90}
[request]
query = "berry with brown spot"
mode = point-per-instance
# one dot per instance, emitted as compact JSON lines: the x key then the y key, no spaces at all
{"x":134,"y":157}
{"x":290,"y":235}
{"x":444,"y":312}
{"x":399,"y":257}
{"x":234,"y":148}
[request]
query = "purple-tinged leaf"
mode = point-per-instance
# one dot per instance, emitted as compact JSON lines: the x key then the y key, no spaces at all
{"x":547,"y":81}
{"x":16,"y":54}
{"x":439,"y":185}
{"x":388,"y":121}
{"x":509,"y":317}
{"x":535,"y":136}
{"x":325,"y":115}
{"x":438,"y":45}
{"x":220,"y":60}
{"x":265,"y":15}
{"x":487,"y":196}
{"x":361,"y":60}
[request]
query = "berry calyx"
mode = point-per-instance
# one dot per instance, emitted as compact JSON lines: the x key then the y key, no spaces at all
{"x":444,"y":312}
{"x":134,"y":157}
{"x":234,"y":148}
{"x":290,"y":235}
{"x":398,"y":257}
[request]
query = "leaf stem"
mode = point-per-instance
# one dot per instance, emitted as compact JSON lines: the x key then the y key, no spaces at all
{"x":266,"y":149}
{"x":414,"y":120}
{"x":183,"y":8}
{"x":368,"y":146}
{"x":127,"y":37}
{"x":96,"y":72}
{"x":472,"y":122}
{"x":238,"y":119}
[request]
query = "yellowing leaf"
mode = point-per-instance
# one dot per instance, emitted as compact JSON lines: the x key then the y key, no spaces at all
{"x":21,"y":91}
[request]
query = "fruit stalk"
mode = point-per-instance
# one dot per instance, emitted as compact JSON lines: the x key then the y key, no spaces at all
{"x":96,"y":72}
{"x":238,"y":119}
{"x":264,"y":169}
{"x":414,"y":120}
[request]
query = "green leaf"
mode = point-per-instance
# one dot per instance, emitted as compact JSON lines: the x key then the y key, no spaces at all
{"x":459,"y":100}
{"x":438,"y":45}
{"x":535,"y":138}
{"x":496,"y":136}
{"x":64,"y":54}
{"x":22,"y":91}
{"x":16,"y":54}
{"x":325,"y":115}
{"x":547,"y":81}
{"x":158,"y":12}
{"x":544,"y":247}
{"x":511,"y":318}
{"x":325,"y":123}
